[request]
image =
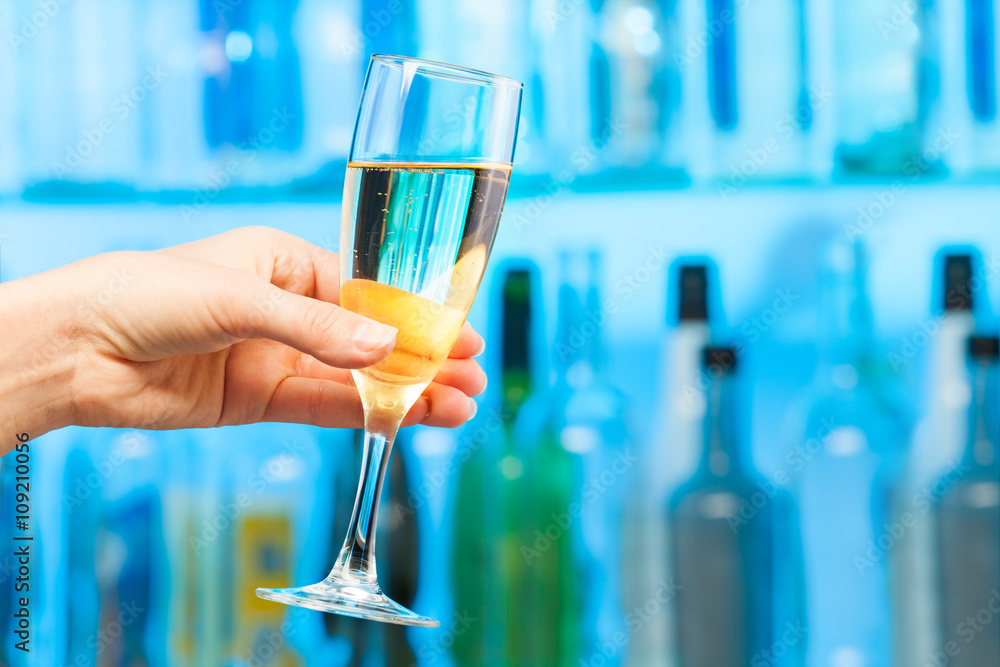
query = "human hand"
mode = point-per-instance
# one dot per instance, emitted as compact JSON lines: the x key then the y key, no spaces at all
{"x":238,"y":328}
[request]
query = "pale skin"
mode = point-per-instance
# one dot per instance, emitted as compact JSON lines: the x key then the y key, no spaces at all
{"x":238,"y":328}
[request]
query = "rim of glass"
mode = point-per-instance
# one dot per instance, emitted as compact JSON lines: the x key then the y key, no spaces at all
{"x":444,"y":70}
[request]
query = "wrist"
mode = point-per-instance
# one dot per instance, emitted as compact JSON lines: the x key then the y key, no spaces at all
{"x":39,"y":351}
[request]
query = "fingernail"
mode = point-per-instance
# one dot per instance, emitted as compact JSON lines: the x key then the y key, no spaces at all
{"x":481,"y":348}
{"x":372,"y":336}
{"x":475,"y":407}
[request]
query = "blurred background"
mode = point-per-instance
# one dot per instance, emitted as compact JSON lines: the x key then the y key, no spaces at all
{"x":741,"y":321}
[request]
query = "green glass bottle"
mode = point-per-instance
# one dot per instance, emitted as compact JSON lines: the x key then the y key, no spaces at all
{"x":488,"y":583}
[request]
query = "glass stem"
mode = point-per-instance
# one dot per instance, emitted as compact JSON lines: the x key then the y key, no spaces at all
{"x":357,"y":557}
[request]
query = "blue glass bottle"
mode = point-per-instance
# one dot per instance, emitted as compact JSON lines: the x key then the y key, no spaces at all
{"x":968,"y":526}
{"x":844,"y":463}
{"x":722,"y":557}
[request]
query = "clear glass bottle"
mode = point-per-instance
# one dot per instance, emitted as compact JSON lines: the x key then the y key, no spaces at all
{"x":844,"y":463}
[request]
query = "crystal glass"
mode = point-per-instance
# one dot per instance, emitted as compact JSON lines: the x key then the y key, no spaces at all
{"x":426,"y":183}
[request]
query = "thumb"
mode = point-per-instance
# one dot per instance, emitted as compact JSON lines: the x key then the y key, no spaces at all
{"x":333,"y":335}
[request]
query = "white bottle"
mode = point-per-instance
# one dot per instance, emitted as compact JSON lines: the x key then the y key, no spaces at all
{"x":937,"y":445}
{"x":673,"y":454}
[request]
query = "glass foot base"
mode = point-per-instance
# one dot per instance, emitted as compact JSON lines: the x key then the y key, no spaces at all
{"x":357,"y":600}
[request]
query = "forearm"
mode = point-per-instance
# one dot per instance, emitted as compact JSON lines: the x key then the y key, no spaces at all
{"x":38,"y":351}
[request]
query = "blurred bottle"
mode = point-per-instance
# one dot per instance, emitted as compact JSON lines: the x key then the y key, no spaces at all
{"x":941,"y":435}
{"x":566,"y":54}
{"x":576,"y":476}
{"x":174,"y":145}
{"x":968,"y":530}
{"x":673,"y":455}
{"x":187,"y":545}
{"x":706,"y":57}
{"x":722,"y":561}
{"x":635,"y":86}
{"x":489,"y":571}
{"x":969,"y":85}
{"x":845,"y":464}
{"x":351,"y":637}
{"x":776,"y":94}
{"x":8,"y":564}
{"x":127,"y":548}
{"x":884,"y":87}
{"x":403,"y":550}
{"x":11,"y":162}
{"x":268,"y":496}
{"x":937,"y":446}
{"x":331,"y":39}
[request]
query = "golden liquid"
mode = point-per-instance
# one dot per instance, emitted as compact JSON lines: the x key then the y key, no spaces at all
{"x":414,"y":245}
{"x":427,"y":330}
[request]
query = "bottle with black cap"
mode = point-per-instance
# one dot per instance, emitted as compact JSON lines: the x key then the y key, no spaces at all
{"x":940,"y":435}
{"x":968,"y":524}
{"x":937,"y":443}
{"x":672,"y":454}
{"x":722,"y":551}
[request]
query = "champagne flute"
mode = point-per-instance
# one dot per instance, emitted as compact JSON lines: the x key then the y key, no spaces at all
{"x":426,"y":183}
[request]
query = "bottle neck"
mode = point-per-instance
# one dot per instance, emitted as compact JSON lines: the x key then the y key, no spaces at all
{"x":720,"y":455}
{"x":981,"y":450}
{"x":847,"y":321}
{"x":579,"y":350}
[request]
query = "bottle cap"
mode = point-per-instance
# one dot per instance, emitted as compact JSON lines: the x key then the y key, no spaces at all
{"x":984,"y":347}
{"x":693,"y":286}
{"x":721,"y":360}
{"x":957,"y":276}
{"x":515,"y":345}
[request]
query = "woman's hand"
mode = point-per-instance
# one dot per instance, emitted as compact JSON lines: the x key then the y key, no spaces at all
{"x":238,"y":328}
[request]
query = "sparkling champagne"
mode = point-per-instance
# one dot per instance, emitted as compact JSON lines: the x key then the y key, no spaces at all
{"x":422,"y":236}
